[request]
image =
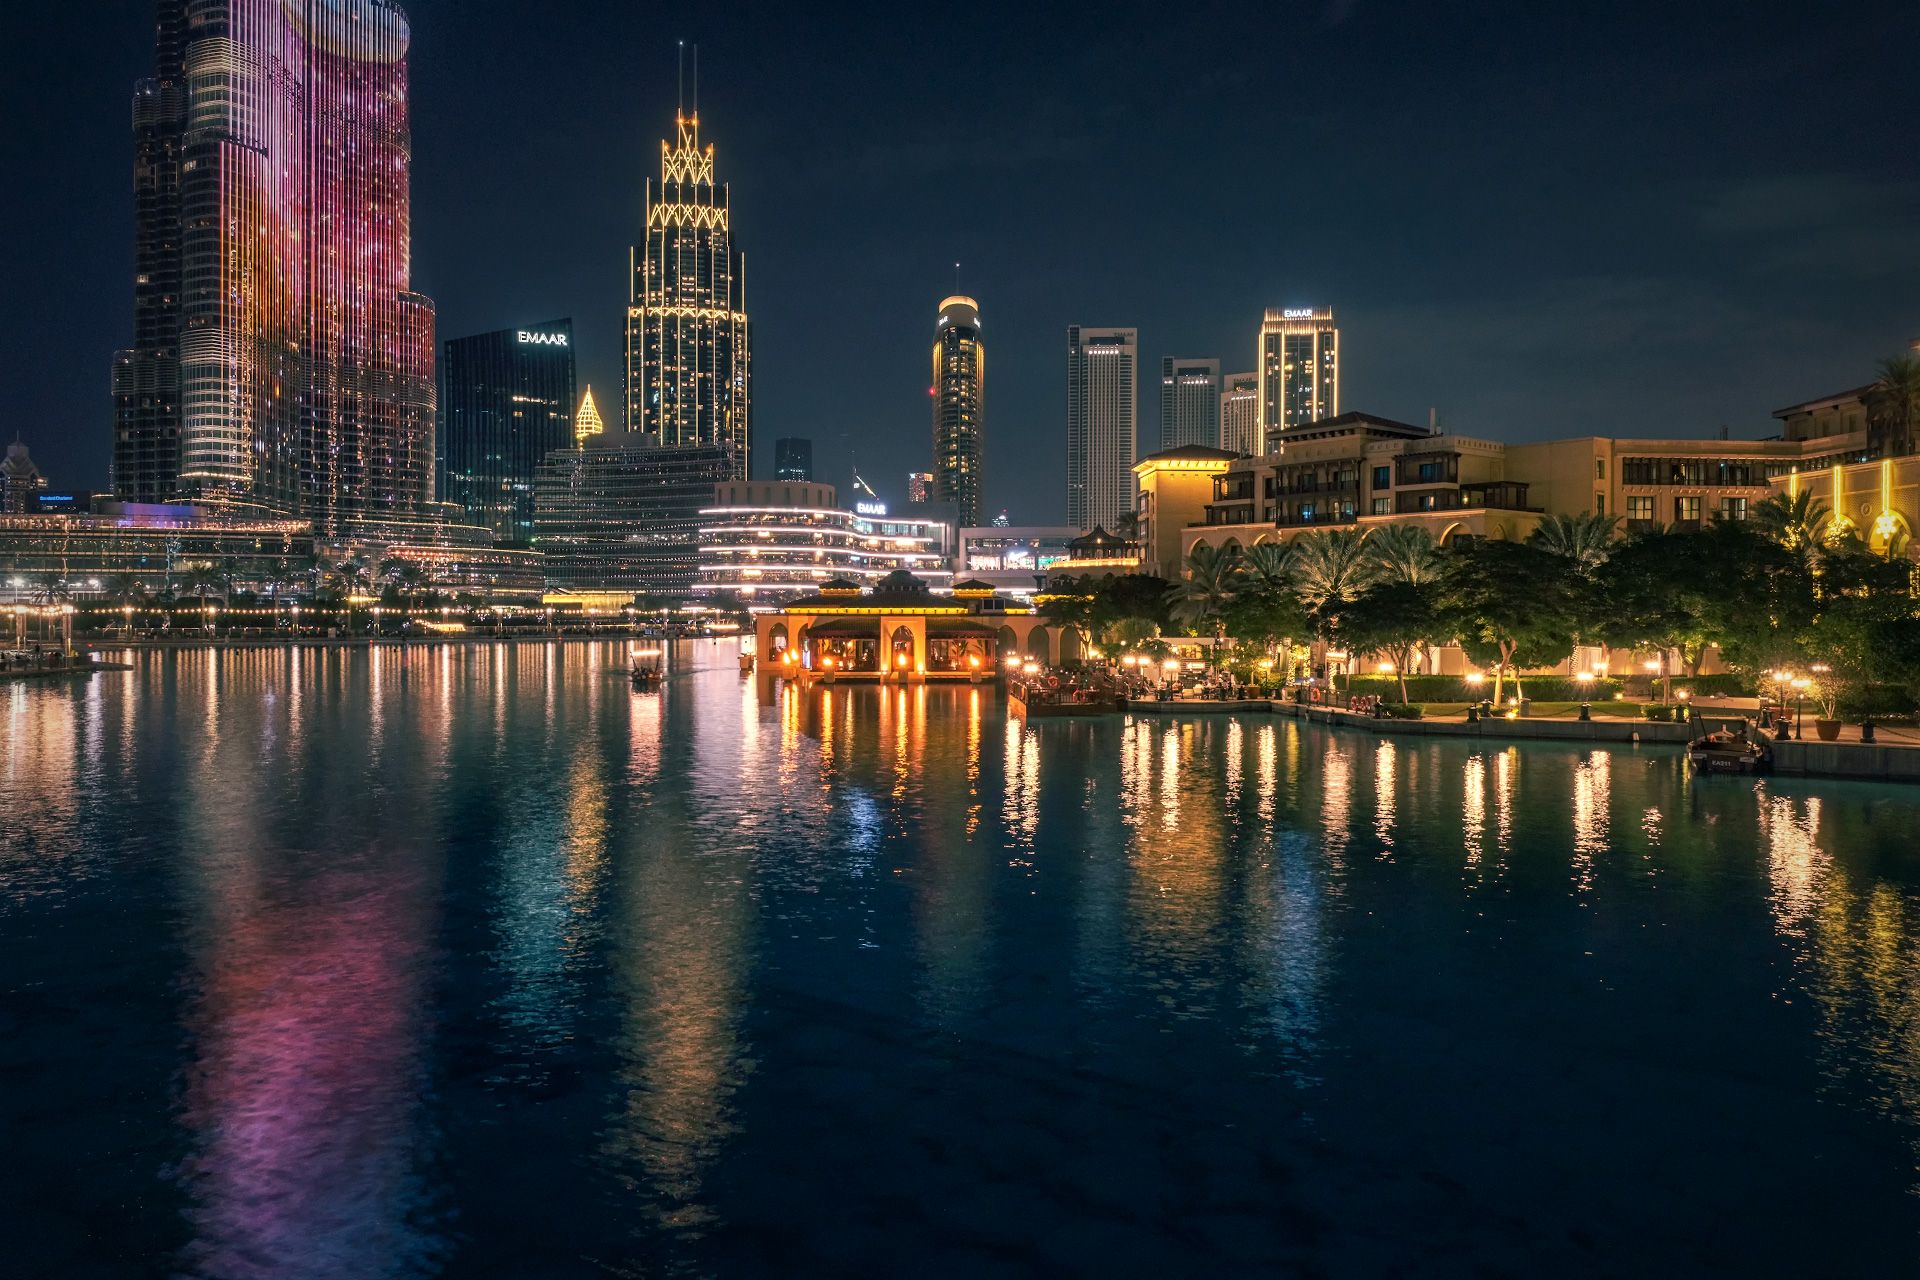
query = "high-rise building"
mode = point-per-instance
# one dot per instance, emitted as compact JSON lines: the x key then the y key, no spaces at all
{"x":146,"y":376}
{"x":689,"y":370}
{"x":1240,"y":413}
{"x":919,"y":486}
{"x":586,"y":419}
{"x":1189,"y":402}
{"x":1299,"y":368}
{"x":620,"y":512}
{"x":280,"y":358}
{"x":793,"y":459}
{"x":1102,"y":427}
{"x":959,"y":407}
{"x":506,"y":402}
{"x":20,"y":480}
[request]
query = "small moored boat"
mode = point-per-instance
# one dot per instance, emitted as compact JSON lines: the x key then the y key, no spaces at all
{"x":1725,"y":751}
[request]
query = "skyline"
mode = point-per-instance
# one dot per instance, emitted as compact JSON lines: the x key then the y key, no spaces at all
{"x":1692,"y":213}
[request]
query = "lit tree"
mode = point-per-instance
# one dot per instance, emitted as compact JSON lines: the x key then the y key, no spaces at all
{"x":1893,"y":407}
{"x":1512,"y":606}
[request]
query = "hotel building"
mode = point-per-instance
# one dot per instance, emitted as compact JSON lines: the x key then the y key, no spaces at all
{"x":1189,"y":402}
{"x":1102,"y":424}
{"x":620,"y":512}
{"x":1299,"y":368}
{"x":506,"y":402}
{"x":959,"y":393}
{"x":769,"y":541}
{"x":281,"y":359}
{"x":689,"y":366}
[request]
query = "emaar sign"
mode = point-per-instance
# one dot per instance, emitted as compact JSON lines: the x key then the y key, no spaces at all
{"x":528,"y":338}
{"x":870,"y":508}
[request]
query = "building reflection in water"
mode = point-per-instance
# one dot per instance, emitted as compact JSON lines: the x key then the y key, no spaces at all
{"x":684,"y":903}
{"x":1592,"y":794}
{"x":309,"y":978}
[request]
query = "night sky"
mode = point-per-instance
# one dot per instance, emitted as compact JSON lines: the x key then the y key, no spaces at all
{"x":1648,"y":219}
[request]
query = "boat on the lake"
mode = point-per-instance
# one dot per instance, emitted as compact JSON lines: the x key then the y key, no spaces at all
{"x":1728,"y":751}
{"x":644,"y":667}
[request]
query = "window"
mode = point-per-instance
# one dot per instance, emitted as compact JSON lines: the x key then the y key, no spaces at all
{"x":1383,"y":477}
{"x":1599,"y":504}
{"x":1686,"y":510}
{"x":1599,"y":468}
{"x":1733,"y":508}
{"x":1640,"y":509}
{"x":1383,"y":506}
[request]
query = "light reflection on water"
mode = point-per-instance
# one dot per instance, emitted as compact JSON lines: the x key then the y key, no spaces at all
{"x":472,"y":961}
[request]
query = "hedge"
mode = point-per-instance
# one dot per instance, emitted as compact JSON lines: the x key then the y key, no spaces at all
{"x":1455,"y":689}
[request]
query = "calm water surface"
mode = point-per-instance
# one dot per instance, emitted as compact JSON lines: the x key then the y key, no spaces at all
{"x":472,"y":962}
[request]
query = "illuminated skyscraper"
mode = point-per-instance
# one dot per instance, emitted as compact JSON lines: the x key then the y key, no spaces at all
{"x":919,"y":486}
{"x":1240,"y":413}
{"x":959,"y":407}
{"x":1299,"y":368}
{"x":1102,"y":425}
{"x":272,"y":272}
{"x":1189,"y":402}
{"x":506,"y":402}
{"x":689,"y":372}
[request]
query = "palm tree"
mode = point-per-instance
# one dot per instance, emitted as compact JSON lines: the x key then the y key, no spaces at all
{"x":1402,"y":553}
{"x":1330,"y":567}
{"x":1268,"y":566}
{"x":50,"y":588}
{"x":1893,"y":407}
{"x":1203,"y":595}
{"x":1585,"y":539}
{"x":1791,"y":519}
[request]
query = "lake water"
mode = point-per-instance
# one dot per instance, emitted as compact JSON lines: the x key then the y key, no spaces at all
{"x":471,"y":961}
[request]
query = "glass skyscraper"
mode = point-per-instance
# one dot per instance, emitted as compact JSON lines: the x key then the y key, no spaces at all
{"x":1102,"y":424}
{"x":689,"y":369}
{"x":280,"y":358}
{"x":1189,"y":402}
{"x":959,"y":408}
{"x":622,"y":513}
{"x":506,"y":402}
{"x":1299,"y":368}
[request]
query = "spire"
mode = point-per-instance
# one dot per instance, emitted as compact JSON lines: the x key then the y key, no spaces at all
{"x":586,"y":419}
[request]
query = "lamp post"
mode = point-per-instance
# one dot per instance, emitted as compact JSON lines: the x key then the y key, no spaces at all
{"x":1586,"y":686}
{"x":1800,"y":684}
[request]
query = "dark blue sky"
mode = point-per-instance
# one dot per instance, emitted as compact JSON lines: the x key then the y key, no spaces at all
{"x":1637,"y":219}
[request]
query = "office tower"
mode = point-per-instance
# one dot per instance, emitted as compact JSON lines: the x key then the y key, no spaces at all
{"x":793,"y":459}
{"x":959,"y":407}
{"x":1189,"y":402}
{"x":586,"y":419}
{"x":1101,"y":424}
{"x":272,"y":266}
{"x":689,"y":373}
{"x":1299,"y":368}
{"x":620,"y":512}
{"x":506,"y":402}
{"x":919,"y":486}
{"x":1240,"y":413}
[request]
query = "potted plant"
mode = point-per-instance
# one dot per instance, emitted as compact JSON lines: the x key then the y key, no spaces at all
{"x":1825,"y":693}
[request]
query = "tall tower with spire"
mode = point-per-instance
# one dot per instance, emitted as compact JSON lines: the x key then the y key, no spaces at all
{"x":689,"y":365}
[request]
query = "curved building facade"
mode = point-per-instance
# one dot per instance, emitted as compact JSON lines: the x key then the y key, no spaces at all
{"x":767,"y":542}
{"x":303,"y":360}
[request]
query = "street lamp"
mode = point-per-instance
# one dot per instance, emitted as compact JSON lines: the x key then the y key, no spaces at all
{"x":1585,"y":679}
{"x":1800,"y":684}
{"x":1013,"y":662}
